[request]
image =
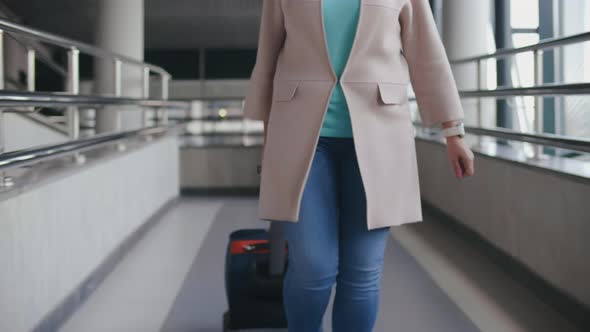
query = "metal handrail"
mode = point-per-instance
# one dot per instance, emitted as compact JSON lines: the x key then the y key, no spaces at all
{"x":569,"y":89}
{"x":72,"y":147}
{"x":538,"y":90}
{"x":16,"y":101}
{"x":543,"y":44}
{"x":73,"y":72}
{"x":209,"y":118}
{"x":42,"y":57}
{"x":69,"y":43}
{"x":53,"y":151}
{"x":52,"y":99}
{"x":566,"y":142}
{"x":558,"y":141}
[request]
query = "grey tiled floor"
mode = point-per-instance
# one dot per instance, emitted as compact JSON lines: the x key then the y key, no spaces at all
{"x":172,"y":281}
{"x":487,"y":292}
{"x":410,"y":301}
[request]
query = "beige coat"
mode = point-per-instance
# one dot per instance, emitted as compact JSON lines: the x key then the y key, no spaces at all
{"x":396,"y":43}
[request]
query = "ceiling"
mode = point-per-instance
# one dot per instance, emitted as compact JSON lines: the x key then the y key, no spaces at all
{"x":169,"y":24}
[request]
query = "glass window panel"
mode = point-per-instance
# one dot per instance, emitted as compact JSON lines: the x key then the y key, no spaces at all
{"x":573,"y":67}
{"x":524,"y":73}
{"x":577,"y":116}
{"x":524,"y":39}
{"x":524,"y":14}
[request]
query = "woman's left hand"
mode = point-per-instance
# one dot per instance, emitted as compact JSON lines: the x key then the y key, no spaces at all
{"x":460,"y":156}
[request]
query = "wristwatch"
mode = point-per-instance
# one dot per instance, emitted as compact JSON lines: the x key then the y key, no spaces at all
{"x":458,"y":130}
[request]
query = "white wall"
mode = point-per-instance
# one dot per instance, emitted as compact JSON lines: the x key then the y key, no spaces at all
{"x":219,"y":167}
{"x":538,"y":217}
{"x":21,"y":133}
{"x":53,"y":236}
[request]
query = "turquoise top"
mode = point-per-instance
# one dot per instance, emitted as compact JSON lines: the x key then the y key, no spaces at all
{"x":340,"y":23}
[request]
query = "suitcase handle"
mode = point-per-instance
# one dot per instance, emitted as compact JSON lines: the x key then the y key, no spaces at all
{"x":255,"y":246}
{"x":259,"y":246}
{"x":250,"y":246}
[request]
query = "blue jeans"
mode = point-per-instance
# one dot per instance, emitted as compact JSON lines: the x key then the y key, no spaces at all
{"x":330,"y":244}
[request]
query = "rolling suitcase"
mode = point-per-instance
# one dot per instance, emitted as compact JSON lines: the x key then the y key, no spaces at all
{"x":254,"y":266}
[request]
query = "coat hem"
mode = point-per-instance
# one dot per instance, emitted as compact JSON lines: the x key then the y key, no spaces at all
{"x":370,"y":226}
{"x":397,"y":224}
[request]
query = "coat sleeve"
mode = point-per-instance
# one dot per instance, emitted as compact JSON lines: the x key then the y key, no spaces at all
{"x":270,"y":41}
{"x":430,"y":71}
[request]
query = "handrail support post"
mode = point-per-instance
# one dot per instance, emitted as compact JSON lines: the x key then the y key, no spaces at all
{"x":73,"y":115}
{"x":145,"y":86}
{"x":31,"y":70}
{"x":539,"y":102}
{"x":145,"y":80}
{"x":1,"y":59}
{"x":5,"y":181}
{"x":31,"y":73}
{"x":479,"y":105}
{"x":118,"y":65}
{"x":163,"y":116}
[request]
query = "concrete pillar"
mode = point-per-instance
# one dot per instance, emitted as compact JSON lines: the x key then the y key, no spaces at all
{"x":467,"y":31}
{"x":120,"y":28}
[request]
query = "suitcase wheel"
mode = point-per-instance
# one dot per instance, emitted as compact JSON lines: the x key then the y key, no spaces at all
{"x":226,"y":322}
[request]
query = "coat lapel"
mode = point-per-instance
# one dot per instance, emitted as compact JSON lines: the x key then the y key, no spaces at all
{"x":325,"y":39}
{"x":354,"y":40}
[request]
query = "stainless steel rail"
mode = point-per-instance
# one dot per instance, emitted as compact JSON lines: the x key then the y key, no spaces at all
{"x":74,"y":147}
{"x":539,"y":90}
{"x":20,"y":32}
{"x":551,"y":140}
{"x":48,"y":152}
{"x":543,"y":44}
{"x":577,"y":144}
{"x":544,"y":90}
{"x":16,"y":101}
{"x":565,"y":142}
{"x":66,"y":43}
{"x":43,"y":58}
{"x":209,"y":118}
{"x":558,"y":141}
{"x":53,"y":99}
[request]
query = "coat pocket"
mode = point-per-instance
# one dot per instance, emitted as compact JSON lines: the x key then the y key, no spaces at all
{"x":393,"y":93}
{"x":284,"y":90}
{"x":301,"y":2}
{"x":393,"y":4}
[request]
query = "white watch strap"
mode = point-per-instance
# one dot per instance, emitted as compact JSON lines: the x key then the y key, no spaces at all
{"x":455,"y":130}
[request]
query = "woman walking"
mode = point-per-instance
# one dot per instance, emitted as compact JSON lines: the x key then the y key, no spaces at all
{"x":339,"y":164}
